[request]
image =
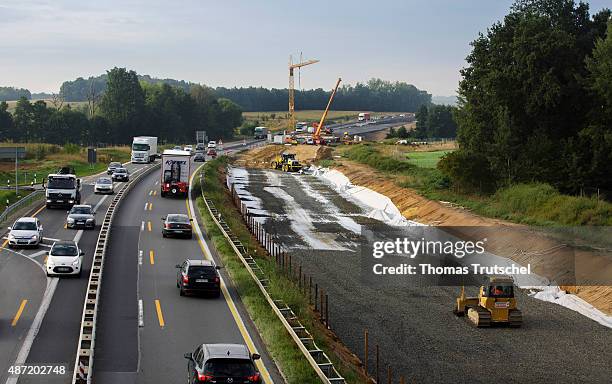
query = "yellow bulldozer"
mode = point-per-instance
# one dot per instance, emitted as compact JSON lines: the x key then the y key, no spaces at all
{"x":495,"y":304}
{"x":286,"y":162}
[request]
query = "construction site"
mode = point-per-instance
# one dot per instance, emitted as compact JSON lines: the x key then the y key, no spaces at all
{"x":431,"y":331}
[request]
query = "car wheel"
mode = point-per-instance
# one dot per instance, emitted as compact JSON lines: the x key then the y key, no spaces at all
{"x":174,"y":191}
{"x":164,"y":235}
{"x":181,"y":292}
{"x":217,"y":294}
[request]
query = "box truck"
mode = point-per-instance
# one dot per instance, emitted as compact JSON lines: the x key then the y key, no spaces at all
{"x":261,"y":132}
{"x":144,"y":149}
{"x":175,"y":172}
{"x":364,"y":116}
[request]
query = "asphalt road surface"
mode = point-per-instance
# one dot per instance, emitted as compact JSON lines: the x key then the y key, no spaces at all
{"x":140,"y":273}
{"x":41,"y":316}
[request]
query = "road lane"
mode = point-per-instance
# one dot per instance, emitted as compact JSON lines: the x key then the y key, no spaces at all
{"x":170,"y":325}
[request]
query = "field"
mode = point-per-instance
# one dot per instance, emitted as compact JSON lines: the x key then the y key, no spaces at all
{"x":42,"y":159}
{"x":425,"y":159}
{"x":73,"y":104}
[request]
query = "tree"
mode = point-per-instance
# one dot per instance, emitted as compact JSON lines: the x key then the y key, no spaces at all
{"x":6,"y":121}
{"x":523,"y":99}
{"x":22,"y":120}
{"x":12,"y":93}
{"x":123,"y":103}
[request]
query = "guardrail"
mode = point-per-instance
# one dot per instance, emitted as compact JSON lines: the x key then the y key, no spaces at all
{"x":19,"y":204}
{"x":318,"y":359}
{"x":83,"y":366}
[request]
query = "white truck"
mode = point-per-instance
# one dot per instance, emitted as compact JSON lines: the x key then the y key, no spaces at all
{"x":144,"y":149}
{"x":175,"y":172}
{"x":62,"y":190}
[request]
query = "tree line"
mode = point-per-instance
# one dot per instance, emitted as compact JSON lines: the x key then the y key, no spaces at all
{"x":12,"y":93}
{"x":127,"y":108}
{"x":375,"y":95}
{"x":535,"y":101}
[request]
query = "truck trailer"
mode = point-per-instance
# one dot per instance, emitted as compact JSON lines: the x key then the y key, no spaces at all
{"x":144,"y":149}
{"x":175,"y":173}
{"x":261,"y":132}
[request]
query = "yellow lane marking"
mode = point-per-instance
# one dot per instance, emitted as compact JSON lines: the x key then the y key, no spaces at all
{"x":150,"y":206}
{"x":39,"y":210}
{"x":150,"y":193}
{"x":19,"y":312}
{"x":160,"y":315}
{"x":154,"y":193}
{"x":232,"y":307}
{"x":5,"y":243}
{"x":152,"y":257}
{"x":149,"y":226}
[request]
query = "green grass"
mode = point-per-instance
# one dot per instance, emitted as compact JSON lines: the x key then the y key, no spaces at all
{"x":534,"y":203}
{"x":425,"y":159}
{"x":280,"y":345}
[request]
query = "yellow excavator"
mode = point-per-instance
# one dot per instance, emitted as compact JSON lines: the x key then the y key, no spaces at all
{"x":495,"y":304}
{"x":286,"y":162}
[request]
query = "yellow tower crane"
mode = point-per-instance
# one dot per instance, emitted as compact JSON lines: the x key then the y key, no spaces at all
{"x":292,"y":88}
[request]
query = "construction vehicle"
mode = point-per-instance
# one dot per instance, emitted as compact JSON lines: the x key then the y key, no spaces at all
{"x":495,"y":304}
{"x":316,"y":137}
{"x":347,"y":139}
{"x":286,"y":162}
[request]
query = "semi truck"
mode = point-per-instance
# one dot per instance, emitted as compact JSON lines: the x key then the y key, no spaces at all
{"x":261,"y":132}
{"x":364,"y":116}
{"x":175,"y":173}
{"x":144,"y":149}
{"x":62,"y":190}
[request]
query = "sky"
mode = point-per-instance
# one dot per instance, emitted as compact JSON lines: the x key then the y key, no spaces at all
{"x":244,"y":43}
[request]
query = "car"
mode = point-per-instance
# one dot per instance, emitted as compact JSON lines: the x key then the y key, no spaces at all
{"x":177,"y":224}
{"x":199,"y":156}
{"x":200,"y":147}
{"x":212,"y":153}
{"x":222,"y":363}
{"x":81,"y":216}
{"x":300,"y":129}
{"x":112,"y":167}
{"x":188,"y":148}
{"x":212,"y":144}
{"x":104,"y":185}
{"x":198,"y":276}
{"x":177,"y":148}
{"x":121,"y":174}
{"x":26,"y":231}
{"x":64,"y":258}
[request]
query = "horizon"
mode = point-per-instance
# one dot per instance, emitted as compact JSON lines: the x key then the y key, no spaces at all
{"x":426,"y":48}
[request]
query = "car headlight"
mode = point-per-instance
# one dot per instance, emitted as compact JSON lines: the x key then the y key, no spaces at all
{"x":11,"y":236}
{"x":70,"y":220}
{"x":90,"y":220}
{"x":34,"y":237}
{"x":71,"y":201}
{"x":75,"y":263}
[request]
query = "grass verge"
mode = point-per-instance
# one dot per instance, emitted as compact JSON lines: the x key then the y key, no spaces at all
{"x":283,"y":350}
{"x":534,"y":203}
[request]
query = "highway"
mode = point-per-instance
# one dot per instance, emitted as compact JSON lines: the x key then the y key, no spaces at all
{"x":360,"y":128}
{"x":41,"y":316}
{"x":139,"y":274}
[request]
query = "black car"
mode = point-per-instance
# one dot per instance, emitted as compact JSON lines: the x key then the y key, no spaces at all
{"x":199,"y":156}
{"x":121,"y":174}
{"x":177,"y":224}
{"x":222,"y":363}
{"x":198,"y":276}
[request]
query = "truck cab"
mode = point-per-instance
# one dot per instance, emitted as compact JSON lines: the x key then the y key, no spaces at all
{"x":62,"y":190}
{"x":144,"y":149}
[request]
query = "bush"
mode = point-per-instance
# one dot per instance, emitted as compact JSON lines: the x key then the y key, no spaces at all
{"x":72,"y":149}
{"x":468,"y":171}
{"x":248,"y":128}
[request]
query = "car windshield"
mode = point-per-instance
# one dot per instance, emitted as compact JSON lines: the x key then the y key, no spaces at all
{"x":114,"y":165}
{"x":178,"y":219}
{"x":202,"y":270}
{"x":61,"y":183}
{"x":140,"y":147}
{"x":64,"y":250}
{"x":105,"y":181}
{"x":120,"y":170}
{"x":81,"y":210}
{"x":25,"y":226}
{"x":229,"y":367}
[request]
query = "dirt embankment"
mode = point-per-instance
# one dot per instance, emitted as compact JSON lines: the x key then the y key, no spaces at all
{"x":548,"y":257}
{"x":262,"y":157}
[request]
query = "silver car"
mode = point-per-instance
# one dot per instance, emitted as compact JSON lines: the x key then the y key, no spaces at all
{"x":27,"y":231}
{"x":81,"y":216}
{"x":104,"y":185}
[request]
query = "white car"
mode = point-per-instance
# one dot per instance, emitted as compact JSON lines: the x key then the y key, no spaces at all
{"x":64,"y":258}
{"x":188,"y":148}
{"x":27,"y":231}
{"x":104,"y":185}
{"x":212,"y":144}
